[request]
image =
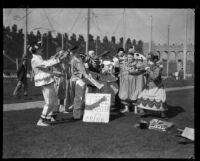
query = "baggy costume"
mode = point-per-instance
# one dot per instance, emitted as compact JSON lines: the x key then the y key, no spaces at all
{"x":77,"y":74}
{"x":44,"y":79}
{"x":131,"y":82}
{"x":60,"y":83}
{"x":153,"y":97}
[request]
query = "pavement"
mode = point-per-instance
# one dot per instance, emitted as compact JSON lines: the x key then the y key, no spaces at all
{"x":40,"y":104}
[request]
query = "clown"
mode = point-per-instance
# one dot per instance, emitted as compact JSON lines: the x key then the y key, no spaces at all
{"x":153,"y":97}
{"x":43,"y":78}
{"x":131,"y":79}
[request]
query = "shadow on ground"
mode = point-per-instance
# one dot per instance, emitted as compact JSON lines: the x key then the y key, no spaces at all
{"x":115,"y":115}
{"x":174,"y":111}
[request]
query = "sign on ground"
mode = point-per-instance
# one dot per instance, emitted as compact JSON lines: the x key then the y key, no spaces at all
{"x":97,"y":107}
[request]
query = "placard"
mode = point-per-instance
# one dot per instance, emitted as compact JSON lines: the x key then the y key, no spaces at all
{"x":188,"y":133}
{"x":160,"y":125}
{"x":97,"y":107}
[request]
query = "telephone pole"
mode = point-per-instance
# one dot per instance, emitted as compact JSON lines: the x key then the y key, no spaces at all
{"x":25,"y":34}
{"x":168,"y":50}
{"x":88,"y":31}
{"x":185,"y":48}
{"x":150,"y":44}
{"x":124,"y":30}
{"x":62,"y":41}
{"x":47,"y":56}
{"x":96,"y":47}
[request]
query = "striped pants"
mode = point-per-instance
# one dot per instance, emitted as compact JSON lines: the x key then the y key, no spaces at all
{"x":51,"y":107}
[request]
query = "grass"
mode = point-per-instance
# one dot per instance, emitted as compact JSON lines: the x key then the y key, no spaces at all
{"x":118,"y":138}
{"x":35,"y":93}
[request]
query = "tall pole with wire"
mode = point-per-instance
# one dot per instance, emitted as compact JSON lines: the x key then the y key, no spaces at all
{"x":47,"y":56}
{"x":62,"y":41}
{"x":25,"y":34}
{"x":185,"y":48}
{"x":96,"y":46}
{"x":168,"y":33}
{"x":124,"y":29}
{"x":88,"y":31}
{"x":41,"y":39}
{"x":150,"y":44}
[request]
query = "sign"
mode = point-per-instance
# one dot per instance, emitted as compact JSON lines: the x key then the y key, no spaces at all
{"x":97,"y":107}
{"x":160,"y":125}
{"x":188,"y":133}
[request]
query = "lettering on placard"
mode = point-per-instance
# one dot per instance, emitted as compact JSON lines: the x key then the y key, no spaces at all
{"x":97,"y":107}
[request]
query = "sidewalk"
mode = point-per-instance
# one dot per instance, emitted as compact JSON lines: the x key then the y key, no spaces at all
{"x":40,"y":104}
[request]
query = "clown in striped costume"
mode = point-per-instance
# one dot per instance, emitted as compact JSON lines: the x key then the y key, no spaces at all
{"x":43,"y":78}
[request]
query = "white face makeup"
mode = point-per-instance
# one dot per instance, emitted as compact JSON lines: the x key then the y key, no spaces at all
{"x":130,"y":58}
{"x":121,"y":54}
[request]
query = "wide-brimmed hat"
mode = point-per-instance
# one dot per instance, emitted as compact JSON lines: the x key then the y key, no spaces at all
{"x":120,"y":49}
{"x":139,"y":56}
{"x":34,"y":46}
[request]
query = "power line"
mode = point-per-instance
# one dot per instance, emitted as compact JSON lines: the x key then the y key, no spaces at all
{"x":117,"y":25}
{"x":114,"y":14}
{"x":96,"y":24}
{"x":48,"y":20}
{"x":75,"y":22}
{"x":17,"y":18}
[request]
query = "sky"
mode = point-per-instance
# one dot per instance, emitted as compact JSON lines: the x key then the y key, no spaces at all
{"x":135,"y":23}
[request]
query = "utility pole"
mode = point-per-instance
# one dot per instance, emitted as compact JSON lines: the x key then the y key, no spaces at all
{"x":124,"y":30}
{"x":25,"y":34}
{"x":96,"y":47}
{"x":185,"y":48}
{"x":168,"y":50}
{"x":150,"y":44}
{"x":88,"y":31}
{"x":41,"y":39}
{"x":62,"y":41}
{"x":47,"y":56}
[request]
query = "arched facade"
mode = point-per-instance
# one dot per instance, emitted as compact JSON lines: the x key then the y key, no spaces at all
{"x":172,"y":56}
{"x":163,"y":55}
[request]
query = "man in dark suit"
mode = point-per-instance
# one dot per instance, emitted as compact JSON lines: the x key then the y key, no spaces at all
{"x":22,"y":79}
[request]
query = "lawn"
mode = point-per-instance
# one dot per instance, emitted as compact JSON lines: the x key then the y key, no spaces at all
{"x":119,"y":138}
{"x":35,"y":93}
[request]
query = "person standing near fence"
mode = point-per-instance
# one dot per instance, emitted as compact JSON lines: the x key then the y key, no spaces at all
{"x":22,"y":80}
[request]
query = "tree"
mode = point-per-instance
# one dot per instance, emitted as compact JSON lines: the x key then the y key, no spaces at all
{"x":113,"y":39}
{"x":38,"y":35}
{"x":98,"y":39}
{"x":66,"y":37}
{"x":73,"y":39}
{"x":128,"y":44}
{"x":121,"y":40}
{"x":105,"y":40}
{"x":81,"y":39}
{"x":59,"y":39}
{"x":14,"y":28}
{"x":91,"y":38}
{"x":81,"y":43}
{"x":139,"y":48}
{"x":134,"y":42}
